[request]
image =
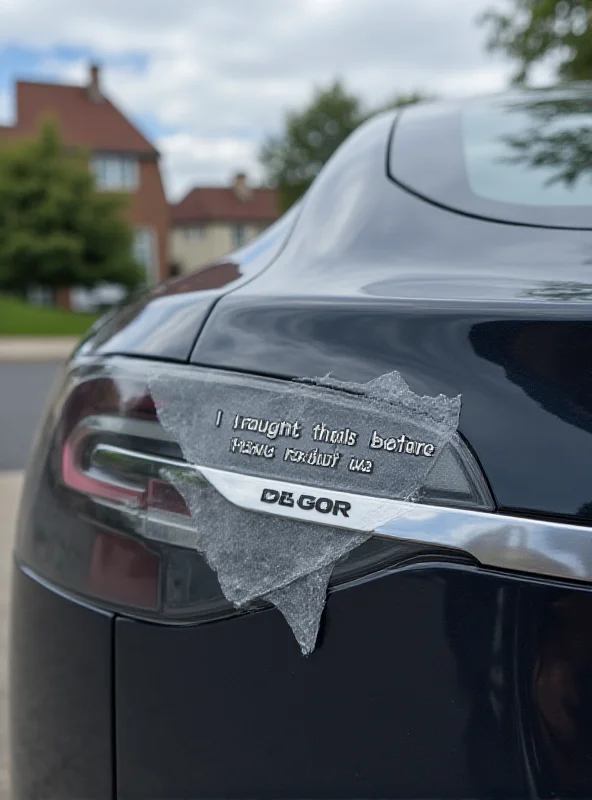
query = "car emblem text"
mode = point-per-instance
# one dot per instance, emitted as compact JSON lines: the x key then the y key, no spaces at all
{"x":324,"y":505}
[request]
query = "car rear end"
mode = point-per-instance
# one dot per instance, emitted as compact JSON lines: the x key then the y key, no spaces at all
{"x":453,"y":654}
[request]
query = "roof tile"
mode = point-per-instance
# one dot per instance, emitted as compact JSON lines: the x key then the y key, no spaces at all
{"x":82,"y":122}
{"x":205,"y":204}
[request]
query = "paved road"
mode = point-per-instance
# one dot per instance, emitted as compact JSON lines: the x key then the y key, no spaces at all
{"x":24,"y":389}
{"x":10,"y":486}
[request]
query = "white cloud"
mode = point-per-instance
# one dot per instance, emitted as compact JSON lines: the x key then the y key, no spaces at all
{"x":218,"y":77}
{"x":190,"y":160}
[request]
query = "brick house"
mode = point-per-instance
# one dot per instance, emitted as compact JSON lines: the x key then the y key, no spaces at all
{"x":122,"y":159}
{"x":209,"y":222}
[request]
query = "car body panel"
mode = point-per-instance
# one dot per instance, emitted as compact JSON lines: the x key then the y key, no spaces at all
{"x":498,"y":313}
{"x":398,"y":682}
{"x":165,"y":322}
{"x":61,"y":691}
{"x":523,"y":379}
{"x":431,"y":679}
{"x":521,"y":157}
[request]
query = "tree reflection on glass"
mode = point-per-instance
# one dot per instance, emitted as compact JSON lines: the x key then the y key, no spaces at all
{"x":558,"y":140}
{"x":561,"y":291}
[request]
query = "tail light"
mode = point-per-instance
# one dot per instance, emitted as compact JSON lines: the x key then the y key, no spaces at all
{"x":101,"y":518}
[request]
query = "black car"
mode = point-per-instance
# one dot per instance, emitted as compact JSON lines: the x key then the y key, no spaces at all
{"x":384,"y":405}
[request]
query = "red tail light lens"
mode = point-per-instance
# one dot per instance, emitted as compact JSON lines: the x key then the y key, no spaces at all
{"x":101,"y":518}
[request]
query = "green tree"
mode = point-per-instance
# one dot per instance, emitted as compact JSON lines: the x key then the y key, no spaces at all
{"x":534,"y":30}
{"x":293,"y":159}
{"x":56,"y":230}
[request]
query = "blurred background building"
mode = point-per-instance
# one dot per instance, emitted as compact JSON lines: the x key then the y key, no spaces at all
{"x":120,"y":156}
{"x":207,"y":223}
{"x":211,"y":221}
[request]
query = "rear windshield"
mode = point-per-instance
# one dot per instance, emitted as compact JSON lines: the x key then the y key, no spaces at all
{"x":530,"y":153}
{"x":523,"y":157}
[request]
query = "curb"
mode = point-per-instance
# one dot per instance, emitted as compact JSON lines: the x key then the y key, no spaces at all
{"x":33,"y":350}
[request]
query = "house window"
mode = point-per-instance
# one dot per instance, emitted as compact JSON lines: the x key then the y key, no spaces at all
{"x":239,"y":235}
{"x":195,"y":233}
{"x":115,"y":173}
{"x":40,"y":296}
{"x":145,"y":252}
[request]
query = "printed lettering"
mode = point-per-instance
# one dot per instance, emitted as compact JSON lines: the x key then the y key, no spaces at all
{"x":314,"y":458}
{"x":248,"y":448}
{"x":286,"y":499}
{"x":376,"y":441}
{"x":272,"y":429}
{"x":341,"y":507}
{"x":324,"y":505}
{"x":322,"y":433}
{"x":364,"y":465}
{"x":306,"y":501}
{"x":403,"y":445}
{"x":270,"y":496}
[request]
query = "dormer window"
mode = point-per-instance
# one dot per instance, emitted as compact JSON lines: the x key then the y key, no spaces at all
{"x":239,"y":235}
{"x":115,"y":173}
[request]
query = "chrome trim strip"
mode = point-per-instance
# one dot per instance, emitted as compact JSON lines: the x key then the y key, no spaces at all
{"x":366,"y":514}
{"x":513,"y":543}
{"x":105,"y":457}
{"x":520,"y":544}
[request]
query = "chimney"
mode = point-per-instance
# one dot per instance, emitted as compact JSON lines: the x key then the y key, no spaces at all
{"x":94,"y":84}
{"x":241,"y":188}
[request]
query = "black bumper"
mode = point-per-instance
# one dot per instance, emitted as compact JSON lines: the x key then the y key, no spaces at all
{"x":430,"y":681}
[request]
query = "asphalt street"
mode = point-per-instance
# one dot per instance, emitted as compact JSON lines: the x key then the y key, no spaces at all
{"x":10,"y":487}
{"x":24,"y":390}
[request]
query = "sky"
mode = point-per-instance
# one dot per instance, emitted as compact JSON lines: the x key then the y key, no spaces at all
{"x":209,"y":80}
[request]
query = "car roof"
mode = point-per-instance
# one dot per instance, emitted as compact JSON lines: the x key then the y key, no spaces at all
{"x":522,"y":157}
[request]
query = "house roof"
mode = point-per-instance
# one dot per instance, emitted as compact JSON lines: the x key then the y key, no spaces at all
{"x":217,"y":204}
{"x":82,"y":122}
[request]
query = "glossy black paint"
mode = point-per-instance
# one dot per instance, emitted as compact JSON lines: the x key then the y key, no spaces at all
{"x":60,"y":695}
{"x":545,"y":140}
{"x":525,"y":382}
{"x":375,"y":279}
{"x":432,"y":680}
{"x":165,"y":322}
{"x":410,"y":694}
{"x":555,"y":685}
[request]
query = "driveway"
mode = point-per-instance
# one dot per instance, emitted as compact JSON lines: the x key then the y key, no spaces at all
{"x":24,"y":389}
{"x":24,"y":392}
{"x":10,"y":487}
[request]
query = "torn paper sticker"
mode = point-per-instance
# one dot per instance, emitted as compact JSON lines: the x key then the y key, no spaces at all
{"x":377,"y":439}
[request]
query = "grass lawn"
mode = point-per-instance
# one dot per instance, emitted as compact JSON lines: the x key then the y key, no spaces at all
{"x":18,"y":318}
